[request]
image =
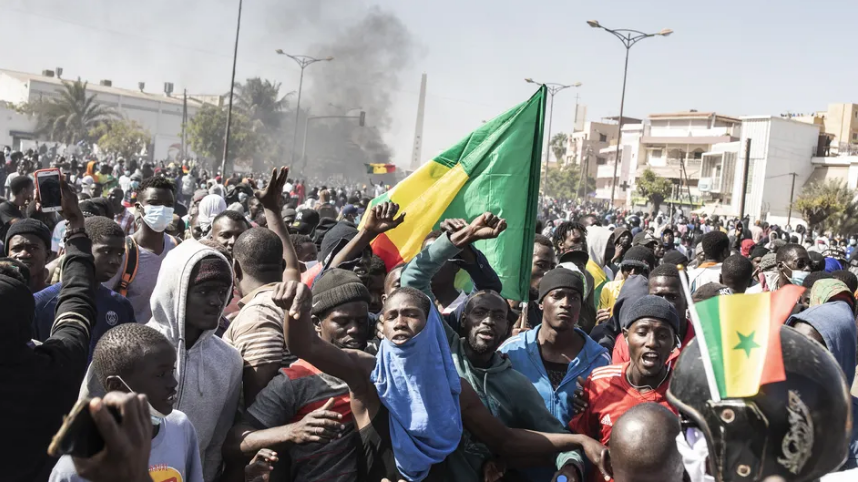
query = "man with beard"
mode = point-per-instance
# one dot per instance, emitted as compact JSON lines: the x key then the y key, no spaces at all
{"x":306,"y":408}
{"x":793,"y":266}
{"x":651,"y":327}
{"x":508,"y":394}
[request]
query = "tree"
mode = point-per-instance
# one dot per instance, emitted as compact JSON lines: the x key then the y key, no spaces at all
{"x":260,"y":100}
{"x":122,"y":137}
{"x":558,"y":146}
{"x":828,"y":206}
{"x":72,"y":116}
{"x":564,"y":182}
{"x":207,"y":128}
{"x":655,"y":189}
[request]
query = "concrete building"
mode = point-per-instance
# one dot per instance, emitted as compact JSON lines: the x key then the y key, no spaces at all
{"x":671,"y":145}
{"x":159,"y":113}
{"x":840,"y":123}
{"x":584,"y":145}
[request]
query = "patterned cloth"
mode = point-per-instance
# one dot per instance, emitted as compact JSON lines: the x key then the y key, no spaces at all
{"x":826,"y":290}
{"x":126,"y":221}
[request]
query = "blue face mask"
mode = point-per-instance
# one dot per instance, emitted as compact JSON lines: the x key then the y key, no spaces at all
{"x":797,"y":277}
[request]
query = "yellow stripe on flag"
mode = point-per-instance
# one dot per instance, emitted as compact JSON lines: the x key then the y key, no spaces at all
{"x":424,"y":196}
{"x":379,"y":168}
{"x":745,"y":340}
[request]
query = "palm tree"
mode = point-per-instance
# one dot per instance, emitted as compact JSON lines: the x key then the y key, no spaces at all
{"x":558,"y":146}
{"x":260,"y":100}
{"x":70,"y":117}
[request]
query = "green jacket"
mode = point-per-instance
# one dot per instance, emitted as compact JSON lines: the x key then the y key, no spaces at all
{"x":508,"y":394}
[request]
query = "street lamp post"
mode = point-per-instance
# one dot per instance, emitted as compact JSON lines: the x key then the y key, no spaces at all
{"x":303,"y":61}
{"x":628,"y":38}
{"x":231,"y":91}
{"x":553,"y":89}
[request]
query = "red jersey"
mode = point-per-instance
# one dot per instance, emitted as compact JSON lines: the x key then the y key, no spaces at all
{"x":621,"y":348}
{"x":609,"y":395}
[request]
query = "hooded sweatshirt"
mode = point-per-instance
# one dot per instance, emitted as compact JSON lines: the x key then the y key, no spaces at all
{"x":597,"y":241}
{"x":209,"y":372}
{"x":835,"y":322}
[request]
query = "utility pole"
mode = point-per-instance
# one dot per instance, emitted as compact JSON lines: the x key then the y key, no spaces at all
{"x":791,"y":192}
{"x":231,"y":92}
{"x":184,"y":124}
{"x":745,"y":178}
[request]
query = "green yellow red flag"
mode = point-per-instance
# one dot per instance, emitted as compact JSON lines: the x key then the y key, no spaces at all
{"x":495,"y":168}
{"x":742,"y":337}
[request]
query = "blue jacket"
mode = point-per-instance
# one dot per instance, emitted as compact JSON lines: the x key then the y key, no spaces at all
{"x":523,"y":352}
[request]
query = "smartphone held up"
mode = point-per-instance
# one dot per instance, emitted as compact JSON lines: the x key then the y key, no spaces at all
{"x":49,"y":189}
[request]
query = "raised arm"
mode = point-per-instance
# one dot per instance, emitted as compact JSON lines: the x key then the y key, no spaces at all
{"x":270,"y":198}
{"x":75,"y":312}
{"x":301,"y":338}
{"x":379,"y":219}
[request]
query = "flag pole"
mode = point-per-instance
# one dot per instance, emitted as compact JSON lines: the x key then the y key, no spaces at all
{"x":701,"y":339}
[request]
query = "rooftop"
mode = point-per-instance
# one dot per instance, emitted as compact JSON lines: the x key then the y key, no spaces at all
{"x":96,"y":87}
{"x":693,"y":114}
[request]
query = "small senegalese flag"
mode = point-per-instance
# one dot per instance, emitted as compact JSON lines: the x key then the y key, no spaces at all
{"x":742,"y":336}
{"x":380,"y":168}
{"x":496,"y":169}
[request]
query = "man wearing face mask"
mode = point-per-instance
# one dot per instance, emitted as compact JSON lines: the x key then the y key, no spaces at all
{"x":793,"y":264}
{"x":147,"y":246}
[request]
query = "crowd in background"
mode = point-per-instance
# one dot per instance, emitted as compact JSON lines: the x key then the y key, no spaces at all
{"x":272,"y":343}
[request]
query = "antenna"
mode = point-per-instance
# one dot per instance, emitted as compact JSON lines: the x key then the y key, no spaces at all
{"x":141,"y":86}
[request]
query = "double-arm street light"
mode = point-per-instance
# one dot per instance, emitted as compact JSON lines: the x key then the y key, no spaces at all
{"x":553,"y":89}
{"x":628,"y":38}
{"x":303,"y":61}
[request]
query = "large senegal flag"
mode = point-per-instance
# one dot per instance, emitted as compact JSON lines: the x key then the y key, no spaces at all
{"x":495,"y":168}
{"x":742,"y":335}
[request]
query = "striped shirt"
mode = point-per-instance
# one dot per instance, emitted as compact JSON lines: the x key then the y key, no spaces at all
{"x":292,"y":395}
{"x":257,"y":331}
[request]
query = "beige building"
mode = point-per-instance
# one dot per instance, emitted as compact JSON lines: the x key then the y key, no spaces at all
{"x":840,"y":123}
{"x":584,"y":145}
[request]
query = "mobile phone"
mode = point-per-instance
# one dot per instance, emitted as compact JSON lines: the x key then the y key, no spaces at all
{"x":79,"y":436}
{"x":50,"y":193}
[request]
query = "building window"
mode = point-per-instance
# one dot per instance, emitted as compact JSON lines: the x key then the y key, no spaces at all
{"x":655,"y":154}
{"x":601,"y":161}
{"x":698,"y":154}
{"x":603,"y":138}
{"x":855,"y":136}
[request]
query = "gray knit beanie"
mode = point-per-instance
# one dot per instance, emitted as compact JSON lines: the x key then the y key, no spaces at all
{"x":337,"y":287}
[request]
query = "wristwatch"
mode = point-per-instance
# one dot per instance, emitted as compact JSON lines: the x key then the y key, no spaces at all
{"x":73,"y":232}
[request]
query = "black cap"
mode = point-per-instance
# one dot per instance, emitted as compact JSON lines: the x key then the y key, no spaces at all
{"x":650,"y":306}
{"x":576,"y":257}
{"x":306,"y":221}
{"x":560,"y":278}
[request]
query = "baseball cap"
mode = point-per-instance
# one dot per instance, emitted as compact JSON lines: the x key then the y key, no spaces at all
{"x":306,"y":221}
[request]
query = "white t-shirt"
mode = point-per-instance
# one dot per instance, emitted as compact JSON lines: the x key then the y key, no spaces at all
{"x":140,"y":290}
{"x":9,"y":178}
{"x":57,"y":236}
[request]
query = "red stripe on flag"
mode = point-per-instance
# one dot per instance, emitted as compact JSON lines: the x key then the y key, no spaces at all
{"x":782,"y":302}
{"x":384,"y":248}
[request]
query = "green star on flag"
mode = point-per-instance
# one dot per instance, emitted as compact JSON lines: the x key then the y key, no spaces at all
{"x":746,"y":343}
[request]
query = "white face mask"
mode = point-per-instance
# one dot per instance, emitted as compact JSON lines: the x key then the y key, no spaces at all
{"x":311,"y":263}
{"x":156,"y":416}
{"x":772,"y":279}
{"x":157,"y":217}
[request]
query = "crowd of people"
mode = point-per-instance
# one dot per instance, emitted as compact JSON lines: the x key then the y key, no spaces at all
{"x":243,"y":329}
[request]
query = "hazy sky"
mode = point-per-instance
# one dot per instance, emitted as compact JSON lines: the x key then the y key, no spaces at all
{"x":733,"y":57}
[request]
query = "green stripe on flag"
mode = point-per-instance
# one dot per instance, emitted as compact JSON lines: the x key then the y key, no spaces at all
{"x":710,"y":316}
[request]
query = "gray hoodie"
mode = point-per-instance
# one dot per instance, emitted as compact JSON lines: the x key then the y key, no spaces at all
{"x":209,"y":373}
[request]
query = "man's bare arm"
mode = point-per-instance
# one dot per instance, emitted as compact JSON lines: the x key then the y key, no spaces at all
{"x":379,"y":219}
{"x":303,"y":342}
{"x":270,"y":199}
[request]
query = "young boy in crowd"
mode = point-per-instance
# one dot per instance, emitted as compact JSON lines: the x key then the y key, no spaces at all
{"x":108,"y":246}
{"x":136,"y":358}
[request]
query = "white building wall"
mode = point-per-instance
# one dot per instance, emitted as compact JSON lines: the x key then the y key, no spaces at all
{"x":778,"y":147}
{"x":11,"y":121}
{"x":161,"y":116}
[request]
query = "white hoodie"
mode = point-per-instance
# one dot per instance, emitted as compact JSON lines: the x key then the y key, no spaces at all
{"x":209,"y":373}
